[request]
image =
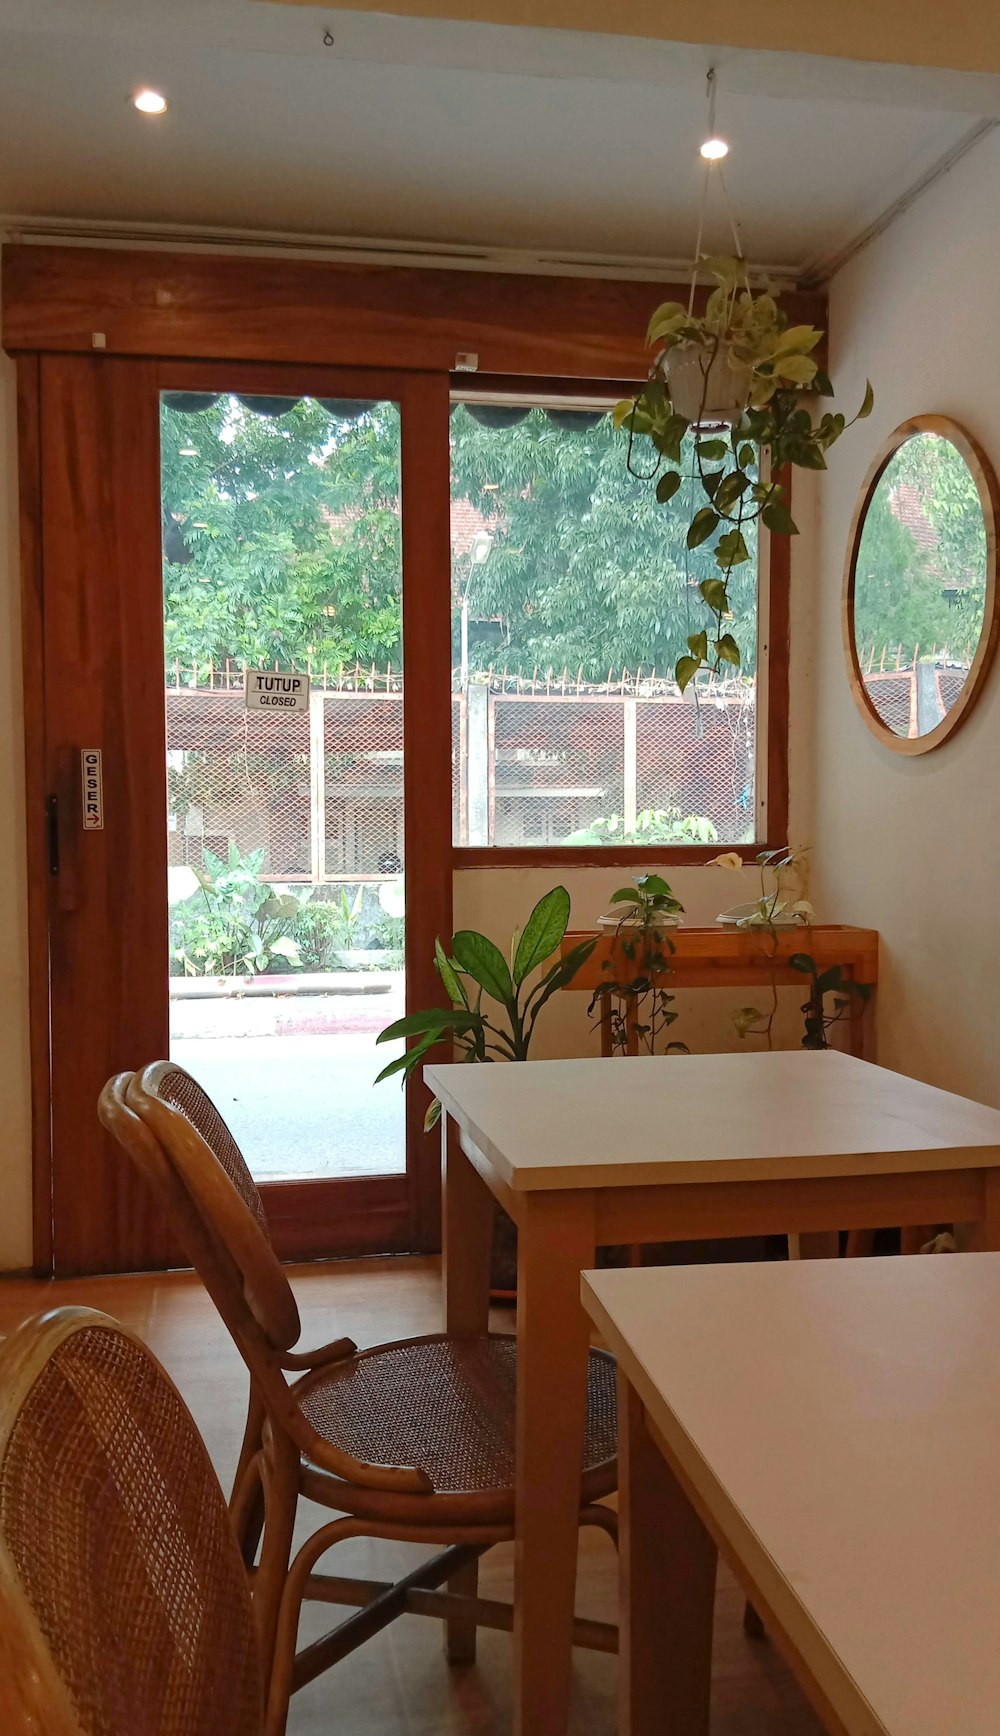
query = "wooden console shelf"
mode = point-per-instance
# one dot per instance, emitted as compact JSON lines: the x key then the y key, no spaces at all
{"x":709,"y":958}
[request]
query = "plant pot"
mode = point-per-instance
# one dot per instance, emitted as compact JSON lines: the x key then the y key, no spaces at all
{"x":694,"y":375}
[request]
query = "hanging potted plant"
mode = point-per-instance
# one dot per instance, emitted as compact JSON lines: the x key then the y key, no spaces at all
{"x":737,"y":376}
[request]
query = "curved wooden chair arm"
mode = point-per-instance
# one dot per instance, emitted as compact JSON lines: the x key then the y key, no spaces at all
{"x":302,"y":1361}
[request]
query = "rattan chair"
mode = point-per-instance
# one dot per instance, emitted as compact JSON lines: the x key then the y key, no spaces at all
{"x":412,"y":1441}
{"x":124,"y":1603}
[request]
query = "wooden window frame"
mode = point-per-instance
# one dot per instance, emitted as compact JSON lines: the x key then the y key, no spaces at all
{"x":190,"y":311}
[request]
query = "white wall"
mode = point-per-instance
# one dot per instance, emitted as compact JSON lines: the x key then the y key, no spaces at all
{"x":15,"y":1118}
{"x":911,"y":845}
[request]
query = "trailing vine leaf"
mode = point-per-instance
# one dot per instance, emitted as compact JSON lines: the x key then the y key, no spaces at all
{"x":712,"y":450}
{"x":777,"y":518}
{"x":685,"y":671}
{"x":867,"y":403}
{"x":698,"y":645}
{"x":731,"y":550}
{"x":715,"y":595}
{"x":667,"y":486}
{"x":702,"y":526}
{"x":727,"y":650}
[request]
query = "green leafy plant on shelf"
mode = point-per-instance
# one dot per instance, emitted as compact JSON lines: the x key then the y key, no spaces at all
{"x":737,"y":374}
{"x":652,"y":826}
{"x":494,"y":1001}
{"x":778,"y":871}
{"x":848,"y":999}
{"x":236,"y":924}
{"x":636,"y":1001}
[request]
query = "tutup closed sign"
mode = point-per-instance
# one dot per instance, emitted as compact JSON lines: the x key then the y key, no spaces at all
{"x":275,"y":690}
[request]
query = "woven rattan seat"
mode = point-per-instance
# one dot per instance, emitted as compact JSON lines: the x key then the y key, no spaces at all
{"x":446,"y":1406}
{"x":119,"y":1568}
{"x":412,"y":1440}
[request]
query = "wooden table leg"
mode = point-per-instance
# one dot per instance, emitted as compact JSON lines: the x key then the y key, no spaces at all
{"x":986,"y":1233}
{"x":555,"y":1243}
{"x":667,"y":1565}
{"x":467,"y":1227}
{"x":468,"y":1209}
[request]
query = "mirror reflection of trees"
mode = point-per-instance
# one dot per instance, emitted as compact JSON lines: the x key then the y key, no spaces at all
{"x":920,"y":579}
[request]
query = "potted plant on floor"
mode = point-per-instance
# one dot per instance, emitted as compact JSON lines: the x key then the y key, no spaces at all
{"x":494,"y":1007}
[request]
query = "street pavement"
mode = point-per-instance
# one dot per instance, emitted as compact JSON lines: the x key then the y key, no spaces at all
{"x":294,"y":1079}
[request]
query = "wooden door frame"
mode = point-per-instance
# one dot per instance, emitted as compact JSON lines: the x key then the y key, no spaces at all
{"x":309,"y":1218}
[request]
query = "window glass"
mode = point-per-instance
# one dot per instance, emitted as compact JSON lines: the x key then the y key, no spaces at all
{"x":573,"y":595}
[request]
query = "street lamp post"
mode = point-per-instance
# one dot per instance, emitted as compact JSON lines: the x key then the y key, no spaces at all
{"x":479,"y":552}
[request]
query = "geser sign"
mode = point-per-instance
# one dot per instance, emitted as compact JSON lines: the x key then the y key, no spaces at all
{"x":275,"y":690}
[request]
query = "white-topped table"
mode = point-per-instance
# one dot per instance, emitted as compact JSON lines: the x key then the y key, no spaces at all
{"x":583,"y":1153}
{"x":833,"y":1428}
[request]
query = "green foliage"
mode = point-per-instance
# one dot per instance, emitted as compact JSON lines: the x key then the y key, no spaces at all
{"x":476,"y":967}
{"x":770,"y":363}
{"x":652,"y":826}
{"x":590,"y":572}
{"x":635,"y":997}
{"x":908,"y":598}
{"x":235,"y":925}
{"x":281,"y":534}
{"x":282,"y":542}
{"x":849,"y":999}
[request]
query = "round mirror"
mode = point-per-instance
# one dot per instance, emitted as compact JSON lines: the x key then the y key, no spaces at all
{"x":920,"y":621}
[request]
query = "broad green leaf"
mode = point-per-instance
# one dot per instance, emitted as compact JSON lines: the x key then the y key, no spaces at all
{"x":868,"y":402}
{"x":667,"y":438}
{"x":731,"y":551}
{"x":667,"y":486}
{"x":730,"y":490}
{"x":622,"y":412}
{"x":823,"y":384}
{"x":715,"y":595}
{"x":625,"y":895}
{"x":808,"y":458}
{"x":543,"y":931}
{"x":430,"y":1019}
{"x":801,"y":338}
{"x":747,"y":457}
{"x":701,"y":527}
{"x":725,"y":268}
{"x":778,"y":519}
{"x":685,"y":671}
{"x":433,"y":1116}
{"x":453,"y":987}
{"x":712,"y":450}
{"x":804,"y":962}
{"x":801,"y":370}
{"x":665,"y":321}
{"x":484,"y":962}
{"x":698,"y":645}
{"x":728,"y":650}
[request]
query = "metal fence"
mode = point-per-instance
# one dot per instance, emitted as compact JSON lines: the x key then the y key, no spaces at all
{"x":535,"y":762}
{"x":913,"y":695}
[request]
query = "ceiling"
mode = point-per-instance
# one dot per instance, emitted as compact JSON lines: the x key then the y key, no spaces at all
{"x":468,"y":139}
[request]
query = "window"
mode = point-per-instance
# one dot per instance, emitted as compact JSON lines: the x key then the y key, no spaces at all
{"x":573,"y":595}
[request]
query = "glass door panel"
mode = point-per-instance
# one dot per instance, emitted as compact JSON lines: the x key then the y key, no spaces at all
{"x":283,"y":693}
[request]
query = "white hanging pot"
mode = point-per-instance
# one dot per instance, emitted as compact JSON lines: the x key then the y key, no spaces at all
{"x":706,"y":388}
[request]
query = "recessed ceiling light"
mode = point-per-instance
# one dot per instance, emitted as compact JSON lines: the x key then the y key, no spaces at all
{"x":713,"y":150}
{"x":150,"y":102}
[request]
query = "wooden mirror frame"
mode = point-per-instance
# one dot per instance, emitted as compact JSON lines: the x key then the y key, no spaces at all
{"x":988,"y":489}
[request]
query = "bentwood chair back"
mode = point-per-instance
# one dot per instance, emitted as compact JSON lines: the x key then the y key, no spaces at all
{"x":412,"y":1440}
{"x":124,"y":1603}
